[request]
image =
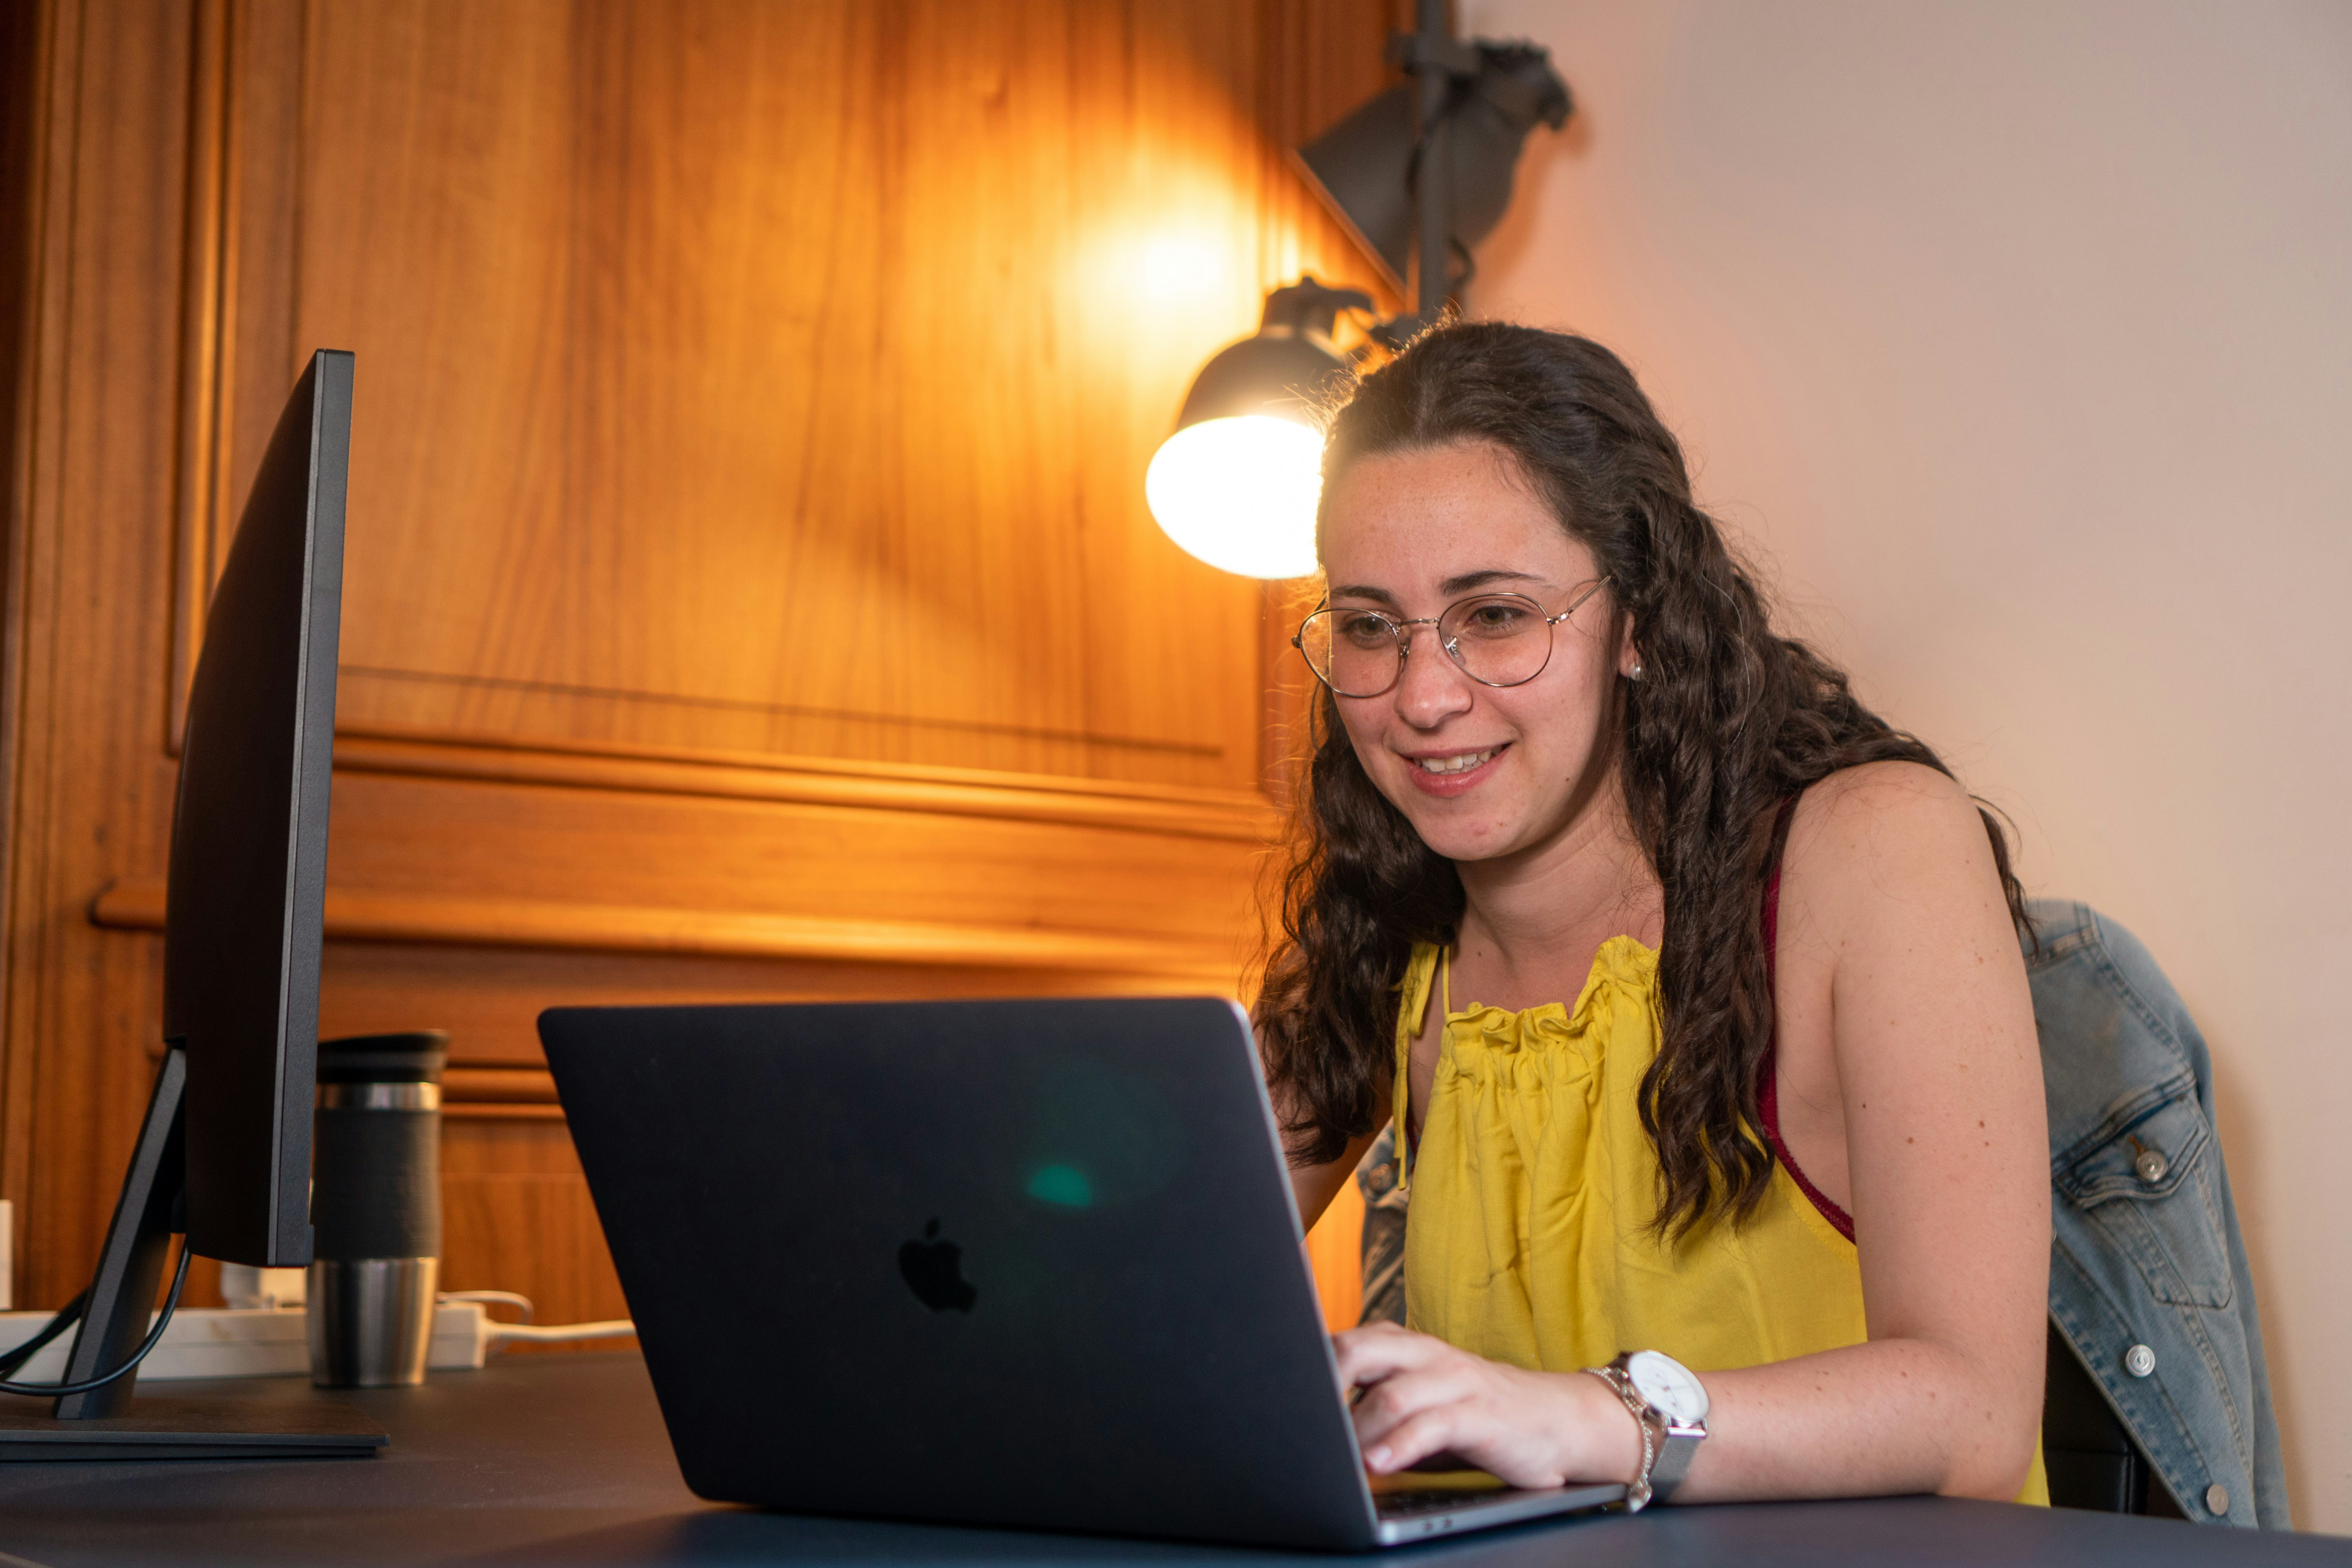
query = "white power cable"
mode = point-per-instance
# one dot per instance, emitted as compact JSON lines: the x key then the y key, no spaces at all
{"x":494,"y":1335}
{"x":514,"y":1298}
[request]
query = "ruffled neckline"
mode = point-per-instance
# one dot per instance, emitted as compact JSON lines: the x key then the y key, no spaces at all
{"x":1622,"y":960}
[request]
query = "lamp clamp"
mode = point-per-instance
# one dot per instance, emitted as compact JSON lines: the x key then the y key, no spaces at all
{"x":1309,"y":310}
{"x":1419,"y":52}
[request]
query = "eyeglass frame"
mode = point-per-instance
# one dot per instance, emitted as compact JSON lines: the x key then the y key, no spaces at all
{"x":1452,"y":653}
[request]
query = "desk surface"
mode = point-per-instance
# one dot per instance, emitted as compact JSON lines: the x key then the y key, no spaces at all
{"x":562,"y":1459}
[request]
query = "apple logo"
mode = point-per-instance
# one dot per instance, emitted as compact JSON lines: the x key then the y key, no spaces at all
{"x":934,"y":1272}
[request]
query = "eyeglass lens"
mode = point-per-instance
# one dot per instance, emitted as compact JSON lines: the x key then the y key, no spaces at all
{"x":1502,"y":639}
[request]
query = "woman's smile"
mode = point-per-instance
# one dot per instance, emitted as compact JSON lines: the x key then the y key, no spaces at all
{"x":1453,"y":772}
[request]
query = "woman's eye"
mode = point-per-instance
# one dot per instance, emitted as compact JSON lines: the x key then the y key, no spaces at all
{"x":1493,"y":620}
{"x":1364,"y":631}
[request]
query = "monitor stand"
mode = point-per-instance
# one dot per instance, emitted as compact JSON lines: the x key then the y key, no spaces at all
{"x":108,"y":1423}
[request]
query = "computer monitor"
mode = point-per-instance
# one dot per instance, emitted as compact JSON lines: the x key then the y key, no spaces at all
{"x":245,"y":903}
{"x":225,"y":1153}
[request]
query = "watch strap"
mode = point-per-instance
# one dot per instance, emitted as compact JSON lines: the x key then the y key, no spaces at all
{"x":1674,"y":1461}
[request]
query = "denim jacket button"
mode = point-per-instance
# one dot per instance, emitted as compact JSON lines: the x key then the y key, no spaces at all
{"x":2150,"y":1167}
{"x":2217,"y":1498}
{"x":2139,"y":1360}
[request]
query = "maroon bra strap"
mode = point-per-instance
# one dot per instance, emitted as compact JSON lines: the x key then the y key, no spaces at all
{"x":1767,"y":1090}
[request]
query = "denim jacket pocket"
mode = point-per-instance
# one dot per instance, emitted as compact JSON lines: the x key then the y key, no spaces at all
{"x":2142,"y":1178}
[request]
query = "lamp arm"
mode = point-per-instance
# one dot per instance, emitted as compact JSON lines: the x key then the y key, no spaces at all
{"x":1432,"y":185}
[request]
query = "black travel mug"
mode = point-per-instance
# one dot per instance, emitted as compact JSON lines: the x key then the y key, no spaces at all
{"x":375,"y":1209}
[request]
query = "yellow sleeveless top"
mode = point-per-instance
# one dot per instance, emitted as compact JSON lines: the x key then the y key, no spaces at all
{"x":1527,"y":1240}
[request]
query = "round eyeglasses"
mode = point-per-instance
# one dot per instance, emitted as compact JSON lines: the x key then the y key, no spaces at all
{"x":1496,"y":639}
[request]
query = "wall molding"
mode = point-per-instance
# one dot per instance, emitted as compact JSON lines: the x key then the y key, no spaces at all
{"x":1234,"y":815}
{"x":138,"y":904}
{"x":499,"y":1094}
{"x":693,"y":702}
{"x":502,"y":1084}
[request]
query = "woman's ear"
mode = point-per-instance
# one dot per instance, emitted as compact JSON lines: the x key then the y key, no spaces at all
{"x":1629,"y":658}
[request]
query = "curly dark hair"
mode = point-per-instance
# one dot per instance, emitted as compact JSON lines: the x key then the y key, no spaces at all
{"x":1729,"y":721}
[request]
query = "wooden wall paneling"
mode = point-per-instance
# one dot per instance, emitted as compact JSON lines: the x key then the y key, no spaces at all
{"x":491,"y":1000}
{"x":236,"y":354}
{"x":781,"y":378}
{"x":516,"y":1215}
{"x":708,"y":400}
{"x":91,"y":529}
{"x":199,"y":472}
{"x":28,"y":143}
{"x":746,"y":523}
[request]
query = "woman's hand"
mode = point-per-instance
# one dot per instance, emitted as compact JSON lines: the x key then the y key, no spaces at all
{"x":1419,"y":1397}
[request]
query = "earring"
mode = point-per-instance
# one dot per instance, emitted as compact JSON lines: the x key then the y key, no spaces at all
{"x":1634,"y":673}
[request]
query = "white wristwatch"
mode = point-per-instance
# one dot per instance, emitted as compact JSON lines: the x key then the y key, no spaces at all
{"x":1668,"y":1400}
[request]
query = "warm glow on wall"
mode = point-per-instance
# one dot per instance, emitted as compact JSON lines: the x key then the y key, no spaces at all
{"x":1182,"y":268}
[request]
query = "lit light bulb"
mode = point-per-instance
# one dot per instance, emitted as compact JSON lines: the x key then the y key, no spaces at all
{"x":1240,"y":493}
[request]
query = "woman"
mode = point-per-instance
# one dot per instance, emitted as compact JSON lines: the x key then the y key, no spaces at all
{"x":1694,"y":986}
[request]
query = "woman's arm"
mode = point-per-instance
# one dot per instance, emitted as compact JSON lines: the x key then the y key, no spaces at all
{"x":1313,"y":1186}
{"x":1316,"y":1186}
{"x":1939,"y":1077}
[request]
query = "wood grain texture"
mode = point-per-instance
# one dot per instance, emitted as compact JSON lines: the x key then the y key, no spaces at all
{"x":516,"y":1215}
{"x":749,"y":593}
{"x":489,"y":1000}
{"x":572,"y":926}
{"x":1237,"y":815}
{"x":779,"y":378}
{"x":28,"y":42}
{"x":89,"y":621}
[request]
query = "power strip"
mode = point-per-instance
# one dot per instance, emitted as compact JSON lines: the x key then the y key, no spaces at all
{"x":229,"y":1341}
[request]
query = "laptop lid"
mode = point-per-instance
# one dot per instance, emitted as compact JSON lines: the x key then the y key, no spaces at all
{"x":1029,"y":1263}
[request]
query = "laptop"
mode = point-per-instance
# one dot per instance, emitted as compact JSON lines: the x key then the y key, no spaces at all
{"x":1023,"y":1263}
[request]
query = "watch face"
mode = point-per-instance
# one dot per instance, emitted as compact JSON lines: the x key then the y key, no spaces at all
{"x":1669,"y":1384}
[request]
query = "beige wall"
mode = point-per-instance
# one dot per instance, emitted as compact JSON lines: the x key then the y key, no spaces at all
{"x":2017,"y":338}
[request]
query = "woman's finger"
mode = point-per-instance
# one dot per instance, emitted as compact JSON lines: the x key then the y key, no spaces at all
{"x":1393,"y":1401}
{"x":1433,"y":1430}
{"x":1370,"y":1354}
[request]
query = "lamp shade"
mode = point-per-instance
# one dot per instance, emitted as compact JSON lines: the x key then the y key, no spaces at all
{"x":1239,"y":493}
{"x":1362,"y":167}
{"x":1237,"y":484}
{"x":1281,"y":373}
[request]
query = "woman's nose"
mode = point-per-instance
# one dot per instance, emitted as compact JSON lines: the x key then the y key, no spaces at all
{"x":1430,"y":686}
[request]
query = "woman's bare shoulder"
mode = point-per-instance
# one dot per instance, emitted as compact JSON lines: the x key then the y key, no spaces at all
{"x":1883,"y":789}
{"x":1886,"y":833}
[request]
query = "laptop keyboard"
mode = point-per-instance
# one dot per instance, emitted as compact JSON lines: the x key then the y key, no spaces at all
{"x":1433,"y":1500}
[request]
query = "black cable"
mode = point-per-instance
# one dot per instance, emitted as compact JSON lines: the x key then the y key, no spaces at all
{"x":154,"y":1336}
{"x":67,"y":1317}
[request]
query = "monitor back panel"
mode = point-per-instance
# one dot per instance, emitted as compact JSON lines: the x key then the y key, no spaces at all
{"x":1029,"y":1263}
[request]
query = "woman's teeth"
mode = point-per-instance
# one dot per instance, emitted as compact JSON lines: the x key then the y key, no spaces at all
{"x":1455,"y":764}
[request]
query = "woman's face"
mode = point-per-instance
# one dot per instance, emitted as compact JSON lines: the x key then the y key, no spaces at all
{"x":1408,"y":534}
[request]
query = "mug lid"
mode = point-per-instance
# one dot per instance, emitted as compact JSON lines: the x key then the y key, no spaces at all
{"x":411,"y":1056}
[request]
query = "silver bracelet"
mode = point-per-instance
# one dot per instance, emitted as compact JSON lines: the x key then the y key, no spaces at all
{"x":1638,"y":1492}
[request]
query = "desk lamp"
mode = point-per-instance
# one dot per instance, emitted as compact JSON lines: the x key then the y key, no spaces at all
{"x":1419,"y":173}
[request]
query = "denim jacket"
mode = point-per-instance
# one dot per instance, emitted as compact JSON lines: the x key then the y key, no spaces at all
{"x":2147,"y":1275}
